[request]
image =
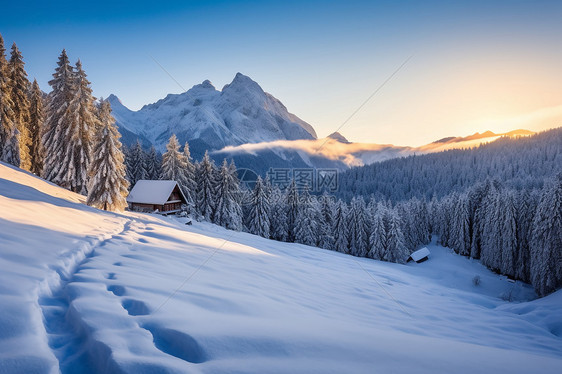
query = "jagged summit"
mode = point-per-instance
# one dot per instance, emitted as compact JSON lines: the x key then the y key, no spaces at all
{"x":210,"y":120}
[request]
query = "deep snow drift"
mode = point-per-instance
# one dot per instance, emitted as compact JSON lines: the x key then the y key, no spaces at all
{"x":87,"y":291}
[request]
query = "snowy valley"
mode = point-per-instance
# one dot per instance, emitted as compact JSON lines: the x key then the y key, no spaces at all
{"x":85,"y":290}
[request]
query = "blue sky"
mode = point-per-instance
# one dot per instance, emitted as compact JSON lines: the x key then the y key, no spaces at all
{"x":476,"y":65}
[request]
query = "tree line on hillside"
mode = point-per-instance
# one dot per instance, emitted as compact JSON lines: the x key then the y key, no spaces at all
{"x":519,"y":163}
{"x":66,"y":137}
{"x":513,"y":232}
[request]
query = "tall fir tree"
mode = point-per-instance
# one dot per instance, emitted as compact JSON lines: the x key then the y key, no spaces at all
{"x":36,"y":122}
{"x":137,"y":163}
{"x":60,"y":119}
{"x":206,"y":187}
{"x":258,"y":220}
{"x":228,"y":212}
{"x":108,"y":186}
{"x":378,"y":236}
{"x":326,"y":221}
{"x":292,"y":195}
{"x":509,"y":234}
{"x":153,"y":164}
{"x":395,"y":249}
{"x":278,"y":215}
{"x":306,"y":224}
{"x":174,"y":166}
{"x":190,"y":189}
{"x":19,"y":86}
{"x":358,"y":237}
{"x":9,"y":149}
{"x":546,"y":243}
{"x":339,"y":228}
{"x":79,"y":135}
{"x":525,"y":215}
{"x":460,"y":227}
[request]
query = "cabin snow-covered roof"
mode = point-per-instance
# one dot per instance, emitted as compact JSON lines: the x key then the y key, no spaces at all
{"x":419,"y":254}
{"x":152,"y":192}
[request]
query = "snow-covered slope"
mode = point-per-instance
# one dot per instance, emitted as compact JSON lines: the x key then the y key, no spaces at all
{"x":209,"y":119}
{"x":101,"y":292}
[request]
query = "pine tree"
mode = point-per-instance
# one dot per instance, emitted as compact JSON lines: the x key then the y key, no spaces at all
{"x":339,"y":228}
{"x":258,"y":220}
{"x":9,"y":149}
{"x":137,"y":163}
{"x":306,"y":225}
{"x":206,"y":186}
{"x":108,"y":186}
{"x":128,"y":169}
{"x":395,"y":250}
{"x":60,"y":118}
{"x":460,"y":227}
{"x":326,"y":221}
{"x":378,"y":236}
{"x":228,"y":212}
{"x":278,"y":215}
{"x":153,"y":165}
{"x":19,"y":86}
{"x":190,"y":188}
{"x":509,"y":235}
{"x":174,"y":166}
{"x":546,"y":244}
{"x":292,"y":210}
{"x":526,"y":208}
{"x":36,"y":121}
{"x":79,"y":135}
{"x":358,"y":237}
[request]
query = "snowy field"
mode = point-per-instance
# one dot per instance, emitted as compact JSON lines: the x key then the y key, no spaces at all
{"x":88,"y":291}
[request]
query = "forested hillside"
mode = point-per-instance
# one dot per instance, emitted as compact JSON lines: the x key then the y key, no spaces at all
{"x":522,"y":162}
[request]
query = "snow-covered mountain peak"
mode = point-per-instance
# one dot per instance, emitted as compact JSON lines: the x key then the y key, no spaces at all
{"x":243,"y":85}
{"x":339,"y":137}
{"x":210,"y":120}
{"x":116,"y":103}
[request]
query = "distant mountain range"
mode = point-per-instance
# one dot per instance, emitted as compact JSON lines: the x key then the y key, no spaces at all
{"x":247,"y":124}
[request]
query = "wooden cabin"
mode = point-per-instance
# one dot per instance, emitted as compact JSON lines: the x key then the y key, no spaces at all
{"x":420,"y":255}
{"x":161,"y":196}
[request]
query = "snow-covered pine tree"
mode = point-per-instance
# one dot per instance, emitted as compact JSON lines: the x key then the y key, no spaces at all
{"x":395,"y":250}
{"x":19,"y":86}
{"x":339,"y":228}
{"x":358,"y":237}
{"x":546,"y":243}
{"x":206,"y":187}
{"x":326,"y":221}
{"x":190,"y":181}
{"x":378,"y":235}
{"x":235,"y":211}
{"x":79,"y":135}
{"x":305,"y":224}
{"x":278,"y":215}
{"x":153,"y":164}
{"x":228,"y":212}
{"x":526,"y":207}
{"x":108,"y":186}
{"x":9,"y":150}
{"x":137,"y":163}
{"x":36,"y":121}
{"x":258,"y":220}
{"x":460,"y":235}
{"x":128,"y":170}
{"x":60,"y":118}
{"x":292,"y":210}
{"x":173,"y":163}
{"x":509,"y":229}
